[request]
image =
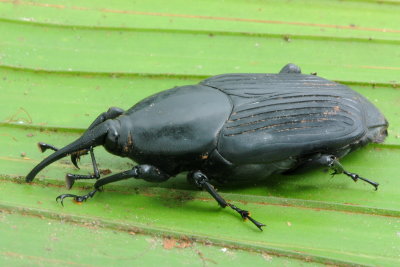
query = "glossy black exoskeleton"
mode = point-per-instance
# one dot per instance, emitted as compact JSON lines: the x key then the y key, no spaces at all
{"x":231,"y":127}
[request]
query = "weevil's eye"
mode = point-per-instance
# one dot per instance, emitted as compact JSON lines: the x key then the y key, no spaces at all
{"x":112,"y":136}
{"x":111,"y":141}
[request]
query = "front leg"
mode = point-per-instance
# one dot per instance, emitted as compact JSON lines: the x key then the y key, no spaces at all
{"x":70,"y":178}
{"x":146,"y":172}
{"x":111,"y":113}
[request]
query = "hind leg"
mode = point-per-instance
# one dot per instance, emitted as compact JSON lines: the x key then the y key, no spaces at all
{"x":333,"y":163}
{"x":290,"y":68}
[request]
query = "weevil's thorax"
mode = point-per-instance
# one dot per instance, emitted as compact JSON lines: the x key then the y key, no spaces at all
{"x":130,"y":143}
{"x":174,"y":129}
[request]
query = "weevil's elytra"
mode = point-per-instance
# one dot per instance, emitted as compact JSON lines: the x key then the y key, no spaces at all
{"x":228,"y":128}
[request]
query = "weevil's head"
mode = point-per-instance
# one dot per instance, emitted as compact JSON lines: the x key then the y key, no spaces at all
{"x":91,"y":138}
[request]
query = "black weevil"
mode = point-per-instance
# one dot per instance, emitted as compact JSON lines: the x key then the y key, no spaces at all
{"x":230,"y":127}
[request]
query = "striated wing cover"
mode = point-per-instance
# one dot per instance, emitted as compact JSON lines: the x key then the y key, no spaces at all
{"x":275,"y":116}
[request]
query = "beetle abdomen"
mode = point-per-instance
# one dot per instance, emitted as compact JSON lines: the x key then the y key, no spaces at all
{"x":276,"y":116}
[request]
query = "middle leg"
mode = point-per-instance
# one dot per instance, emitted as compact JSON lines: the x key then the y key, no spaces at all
{"x":146,"y":172}
{"x":70,"y":178}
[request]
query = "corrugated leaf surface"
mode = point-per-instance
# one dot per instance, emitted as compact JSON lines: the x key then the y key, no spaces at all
{"x":62,"y":63}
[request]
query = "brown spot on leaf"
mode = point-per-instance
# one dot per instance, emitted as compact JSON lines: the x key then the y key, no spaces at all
{"x":170,"y":243}
{"x":105,"y":171}
{"x":266,"y":256}
{"x":287,"y":38}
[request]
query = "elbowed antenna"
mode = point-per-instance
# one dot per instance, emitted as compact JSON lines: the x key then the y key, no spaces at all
{"x":90,"y":138}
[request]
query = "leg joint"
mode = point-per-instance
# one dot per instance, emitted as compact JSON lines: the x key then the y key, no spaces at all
{"x":197,"y":178}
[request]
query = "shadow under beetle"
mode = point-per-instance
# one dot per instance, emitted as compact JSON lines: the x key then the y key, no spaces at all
{"x":230,"y":127}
